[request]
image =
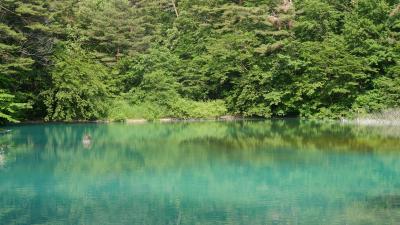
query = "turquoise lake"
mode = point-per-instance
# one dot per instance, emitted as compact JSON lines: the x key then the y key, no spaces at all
{"x":246,"y":172}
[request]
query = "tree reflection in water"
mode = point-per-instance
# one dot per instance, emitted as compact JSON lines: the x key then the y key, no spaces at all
{"x":260,"y":172}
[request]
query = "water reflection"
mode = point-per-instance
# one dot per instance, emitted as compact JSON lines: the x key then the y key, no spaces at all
{"x":87,"y":141}
{"x":2,"y":159}
{"x":4,"y":142}
{"x":272,"y":172}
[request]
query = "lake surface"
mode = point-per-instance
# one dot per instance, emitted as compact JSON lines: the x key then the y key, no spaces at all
{"x":248,"y":172}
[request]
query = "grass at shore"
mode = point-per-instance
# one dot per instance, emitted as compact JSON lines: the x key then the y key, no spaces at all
{"x":385,"y":117}
{"x":122,"y":110}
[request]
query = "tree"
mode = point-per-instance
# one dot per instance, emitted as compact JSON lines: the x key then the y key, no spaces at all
{"x":372,"y":33}
{"x":79,"y":88}
{"x":263,"y":58}
{"x":25,"y":48}
{"x":119,"y":28}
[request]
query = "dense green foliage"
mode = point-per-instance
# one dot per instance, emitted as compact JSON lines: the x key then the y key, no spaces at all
{"x":119,"y":59}
{"x":78,"y":87}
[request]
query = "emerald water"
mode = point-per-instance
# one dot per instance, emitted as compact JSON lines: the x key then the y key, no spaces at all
{"x":248,"y":172}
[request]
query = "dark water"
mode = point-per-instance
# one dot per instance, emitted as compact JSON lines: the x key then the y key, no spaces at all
{"x":271,"y":172}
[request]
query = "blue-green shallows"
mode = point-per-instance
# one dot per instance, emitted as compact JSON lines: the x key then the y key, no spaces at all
{"x":248,"y":172}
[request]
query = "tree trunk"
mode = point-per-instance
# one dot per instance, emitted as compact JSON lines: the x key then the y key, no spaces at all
{"x":176,"y":10}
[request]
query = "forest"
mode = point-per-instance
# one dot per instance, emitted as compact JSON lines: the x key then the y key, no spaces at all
{"x":86,"y":60}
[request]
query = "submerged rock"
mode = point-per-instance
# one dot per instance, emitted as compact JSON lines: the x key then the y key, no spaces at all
{"x":384,"y":201}
{"x":167,"y":120}
{"x":135,"y":121}
{"x":3,"y":131}
{"x":230,"y":118}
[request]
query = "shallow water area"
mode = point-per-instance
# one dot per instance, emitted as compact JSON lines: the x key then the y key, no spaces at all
{"x":239,"y":172}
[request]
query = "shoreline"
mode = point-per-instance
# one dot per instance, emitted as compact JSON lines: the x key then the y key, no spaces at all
{"x":343,"y":121}
{"x":141,"y":120}
{"x":177,"y":120}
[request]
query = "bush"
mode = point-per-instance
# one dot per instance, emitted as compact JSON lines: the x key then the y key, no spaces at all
{"x":9,"y":108}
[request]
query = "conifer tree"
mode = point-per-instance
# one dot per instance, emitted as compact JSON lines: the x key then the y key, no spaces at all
{"x":119,"y":28}
{"x":24,"y":46}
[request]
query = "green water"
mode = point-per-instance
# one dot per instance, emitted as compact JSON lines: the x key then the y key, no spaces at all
{"x":260,"y":172}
